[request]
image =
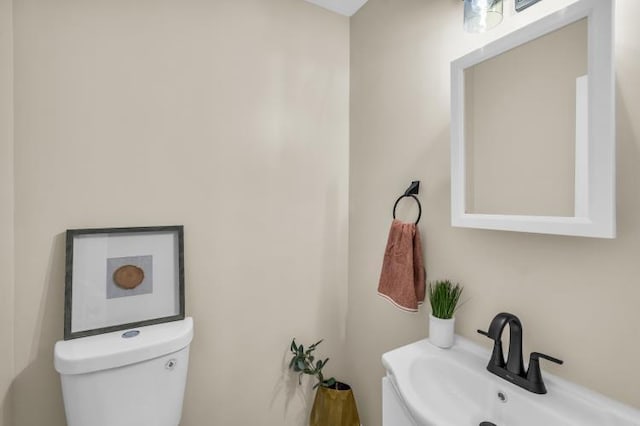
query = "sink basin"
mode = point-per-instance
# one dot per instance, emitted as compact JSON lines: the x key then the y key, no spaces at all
{"x":451,"y":387}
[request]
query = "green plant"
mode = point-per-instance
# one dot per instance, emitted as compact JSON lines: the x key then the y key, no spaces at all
{"x":304,"y":362}
{"x":444,"y":298}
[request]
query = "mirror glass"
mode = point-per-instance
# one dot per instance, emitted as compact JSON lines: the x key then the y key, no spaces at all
{"x":533,"y":127}
{"x":521,"y":126}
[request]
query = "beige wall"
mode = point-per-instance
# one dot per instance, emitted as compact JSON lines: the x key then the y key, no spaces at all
{"x":6,"y":210}
{"x":577,"y":297}
{"x":230,"y":117}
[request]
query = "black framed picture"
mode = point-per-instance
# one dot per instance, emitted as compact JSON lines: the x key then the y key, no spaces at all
{"x":120,"y":278}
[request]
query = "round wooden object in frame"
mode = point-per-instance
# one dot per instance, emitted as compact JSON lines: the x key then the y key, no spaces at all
{"x":128,"y":277}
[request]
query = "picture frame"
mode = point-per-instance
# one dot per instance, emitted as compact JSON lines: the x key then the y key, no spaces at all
{"x":121,"y":278}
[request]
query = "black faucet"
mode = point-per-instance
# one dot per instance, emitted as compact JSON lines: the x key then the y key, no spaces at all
{"x":513,"y":370}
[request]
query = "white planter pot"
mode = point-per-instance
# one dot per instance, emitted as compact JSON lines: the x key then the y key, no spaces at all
{"x":441,"y":331}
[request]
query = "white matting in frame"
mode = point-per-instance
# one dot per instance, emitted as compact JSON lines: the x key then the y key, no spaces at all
{"x":118,"y":278}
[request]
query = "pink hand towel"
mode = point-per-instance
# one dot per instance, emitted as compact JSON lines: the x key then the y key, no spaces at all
{"x":402,"y":280}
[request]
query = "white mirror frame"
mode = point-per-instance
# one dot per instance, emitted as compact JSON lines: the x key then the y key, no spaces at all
{"x":595,"y":126}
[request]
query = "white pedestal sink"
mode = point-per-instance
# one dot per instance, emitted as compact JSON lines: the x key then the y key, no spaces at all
{"x":451,"y":387}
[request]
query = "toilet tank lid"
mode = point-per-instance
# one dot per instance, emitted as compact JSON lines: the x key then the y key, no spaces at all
{"x":110,"y":350}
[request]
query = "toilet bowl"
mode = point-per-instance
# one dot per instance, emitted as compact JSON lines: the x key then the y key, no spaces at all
{"x":126,"y":378}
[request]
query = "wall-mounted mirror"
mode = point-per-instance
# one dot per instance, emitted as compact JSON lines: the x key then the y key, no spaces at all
{"x":533,"y":127}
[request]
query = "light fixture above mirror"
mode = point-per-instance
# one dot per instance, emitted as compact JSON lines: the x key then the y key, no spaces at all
{"x":482,"y":15}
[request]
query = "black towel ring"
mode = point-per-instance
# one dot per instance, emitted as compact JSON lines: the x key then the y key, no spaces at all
{"x":417,"y":201}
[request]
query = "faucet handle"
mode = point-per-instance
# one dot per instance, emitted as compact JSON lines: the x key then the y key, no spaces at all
{"x":535,"y":356}
{"x":484,"y":333}
{"x":497,"y":357}
{"x":534,"y":376}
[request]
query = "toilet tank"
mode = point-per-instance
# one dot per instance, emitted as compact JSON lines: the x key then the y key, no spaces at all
{"x":126,"y":378}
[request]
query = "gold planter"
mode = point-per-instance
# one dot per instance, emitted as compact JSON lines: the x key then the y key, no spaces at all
{"x":334,"y":407}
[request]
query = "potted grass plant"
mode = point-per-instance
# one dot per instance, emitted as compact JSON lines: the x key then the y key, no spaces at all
{"x":334,"y":403}
{"x":444,"y":297}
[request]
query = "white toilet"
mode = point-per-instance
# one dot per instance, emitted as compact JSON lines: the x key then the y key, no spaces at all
{"x":126,"y":378}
